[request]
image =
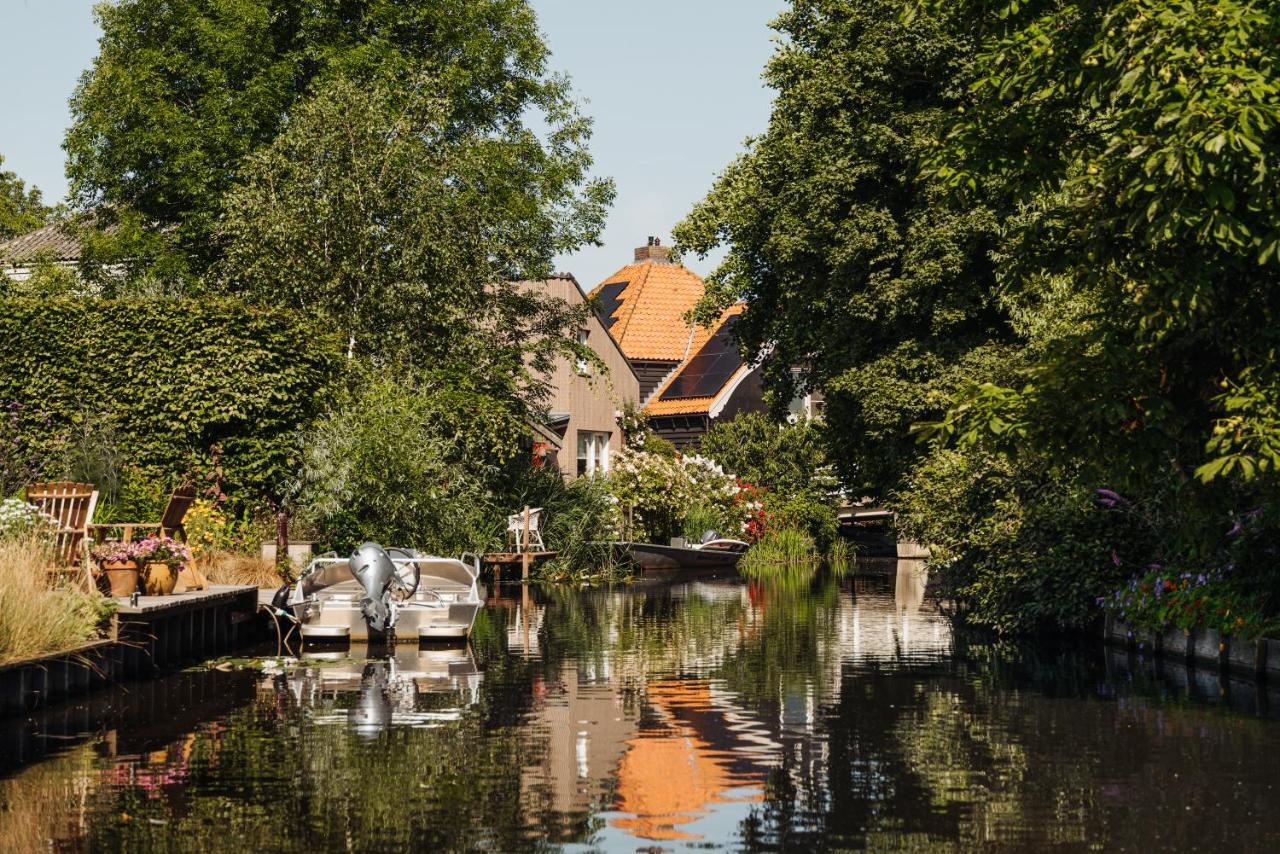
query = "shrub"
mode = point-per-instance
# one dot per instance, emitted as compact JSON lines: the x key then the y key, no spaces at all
{"x":187,"y":381}
{"x":37,"y":616}
{"x":408,"y":464}
{"x":1017,"y":546}
{"x":783,"y":458}
{"x":655,"y":494}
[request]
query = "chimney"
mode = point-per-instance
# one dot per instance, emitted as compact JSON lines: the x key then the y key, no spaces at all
{"x":654,"y":251}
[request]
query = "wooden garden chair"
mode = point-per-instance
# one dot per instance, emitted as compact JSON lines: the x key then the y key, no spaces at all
{"x":523,"y":527}
{"x":170,"y":524}
{"x":71,"y":505}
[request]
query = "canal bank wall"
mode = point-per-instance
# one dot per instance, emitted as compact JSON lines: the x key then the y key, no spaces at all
{"x":142,"y":640}
{"x":1207,"y":648}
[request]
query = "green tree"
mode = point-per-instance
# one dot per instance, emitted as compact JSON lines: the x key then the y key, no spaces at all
{"x":1136,"y":137}
{"x":21,"y":208}
{"x":182,"y":91}
{"x":370,"y":210}
{"x":854,"y":265}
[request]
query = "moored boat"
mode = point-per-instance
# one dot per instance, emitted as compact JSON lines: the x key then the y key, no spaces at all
{"x":715,"y":554}
{"x":385,"y":594}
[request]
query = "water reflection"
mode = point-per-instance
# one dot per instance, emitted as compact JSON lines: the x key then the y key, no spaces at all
{"x":370,"y":691}
{"x":821,"y":713}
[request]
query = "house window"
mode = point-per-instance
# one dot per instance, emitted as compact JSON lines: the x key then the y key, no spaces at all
{"x":583,"y":366}
{"x":593,"y":452}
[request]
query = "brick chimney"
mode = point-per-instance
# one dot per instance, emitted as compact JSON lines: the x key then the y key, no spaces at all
{"x":654,"y":251}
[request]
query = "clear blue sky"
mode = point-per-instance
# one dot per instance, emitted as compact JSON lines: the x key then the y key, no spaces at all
{"x":674,"y":88}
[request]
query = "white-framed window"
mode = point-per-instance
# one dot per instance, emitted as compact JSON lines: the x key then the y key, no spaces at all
{"x":582,"y":366}
{"x":593,"y":452}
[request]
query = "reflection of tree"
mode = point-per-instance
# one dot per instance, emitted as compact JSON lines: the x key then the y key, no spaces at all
{"x":787,"y":646}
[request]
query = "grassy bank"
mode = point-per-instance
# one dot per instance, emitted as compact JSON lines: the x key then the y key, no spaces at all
{"x":789,"y":550}
{"x":38,"y":615}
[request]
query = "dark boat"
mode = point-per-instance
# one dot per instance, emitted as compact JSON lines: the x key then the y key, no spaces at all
{"x":719,"y":554}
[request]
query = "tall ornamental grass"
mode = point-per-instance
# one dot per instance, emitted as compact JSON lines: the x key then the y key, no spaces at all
{"x":37,"y":615}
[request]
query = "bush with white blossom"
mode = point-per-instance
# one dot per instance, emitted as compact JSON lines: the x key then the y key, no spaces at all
{"x":654,"y":493}
{"x":18,"y":519}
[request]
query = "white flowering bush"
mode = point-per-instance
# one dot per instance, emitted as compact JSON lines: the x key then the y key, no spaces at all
{"x":655,"y":494}
{"x":18,"y":519}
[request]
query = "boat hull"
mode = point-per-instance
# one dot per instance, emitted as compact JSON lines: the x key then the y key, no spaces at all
{"x":656,"y":559}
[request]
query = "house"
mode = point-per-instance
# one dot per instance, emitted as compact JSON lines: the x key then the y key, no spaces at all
{"x":585,"y":403}
{"x":690,"y":376}
{"x":54,"y":244}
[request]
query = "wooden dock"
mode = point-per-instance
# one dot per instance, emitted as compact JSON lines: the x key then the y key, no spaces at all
{"x":524,"y":560}
{"x":157,"y":633}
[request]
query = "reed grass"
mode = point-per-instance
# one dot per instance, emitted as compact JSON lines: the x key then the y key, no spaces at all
{"x":779,"y":551}
{"x":39,"y":615}
{"x":225,"y":567}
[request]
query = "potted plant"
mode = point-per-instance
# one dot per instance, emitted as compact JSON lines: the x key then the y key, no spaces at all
{"x":118,"y":562}
{"x":163,"y":558}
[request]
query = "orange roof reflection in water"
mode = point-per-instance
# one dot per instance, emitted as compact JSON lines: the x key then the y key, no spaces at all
{"x":672,"y":777}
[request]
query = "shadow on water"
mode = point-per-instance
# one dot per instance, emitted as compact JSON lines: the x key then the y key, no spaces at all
{"x":822,"y":712}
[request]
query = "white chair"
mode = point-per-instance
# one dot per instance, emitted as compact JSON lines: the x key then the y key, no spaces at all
{"x":516,"y":523}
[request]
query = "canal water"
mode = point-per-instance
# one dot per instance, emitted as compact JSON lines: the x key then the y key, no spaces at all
{"x":818,"y":714}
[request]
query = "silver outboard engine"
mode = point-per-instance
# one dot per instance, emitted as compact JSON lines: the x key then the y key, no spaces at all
{"x":372,"y":567}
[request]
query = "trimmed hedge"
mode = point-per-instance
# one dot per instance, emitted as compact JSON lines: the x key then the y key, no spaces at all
{"x":187,"y":381}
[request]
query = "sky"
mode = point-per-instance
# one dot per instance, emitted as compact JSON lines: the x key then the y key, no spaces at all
{"x":673,"y":85}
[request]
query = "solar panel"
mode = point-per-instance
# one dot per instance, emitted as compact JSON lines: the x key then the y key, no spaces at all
{"x":609,"y":302}
{"x":710,"y":368}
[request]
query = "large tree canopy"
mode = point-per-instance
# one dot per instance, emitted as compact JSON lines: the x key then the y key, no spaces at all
{"x":853,"y":265}
{"x":182,"y":91}
{"x":372,"y":210}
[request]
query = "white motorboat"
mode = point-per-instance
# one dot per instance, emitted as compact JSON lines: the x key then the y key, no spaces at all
{"x":385,"y":594}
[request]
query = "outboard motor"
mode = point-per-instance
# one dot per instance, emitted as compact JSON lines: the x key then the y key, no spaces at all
{"x":372,"y":567}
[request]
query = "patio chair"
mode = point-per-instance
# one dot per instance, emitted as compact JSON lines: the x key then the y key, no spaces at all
{"x":170,"y":524}
{"x":71,"y":505}
{"x":517,"y":523}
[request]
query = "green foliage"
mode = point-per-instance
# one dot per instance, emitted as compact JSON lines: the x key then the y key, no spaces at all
{"x":21,"y":209}
{"x":579,"y":519}
{"x":374,"y":210}
{"x":786,"y":458}
{"x":654,"y":495}
{"x":182,"y":93}
{"x":854,"y":269}
{"x":191,"y":386}
{"x":789,"y":462}
{"x":1018,"y":548}
{"x":781,"y":551}
{"x":406,"y":462}
{"x":1158,"y":600}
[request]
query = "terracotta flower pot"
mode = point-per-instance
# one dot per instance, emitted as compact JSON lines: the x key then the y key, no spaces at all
{"x":122,"y":578}
{"x":161,"y":579}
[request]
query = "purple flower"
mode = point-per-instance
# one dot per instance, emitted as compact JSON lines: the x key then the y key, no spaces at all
{"x":1154,"y":567}
{"x":1200,"y":579}
{"x":1236,"y":528}
{"x":1115,"y":558}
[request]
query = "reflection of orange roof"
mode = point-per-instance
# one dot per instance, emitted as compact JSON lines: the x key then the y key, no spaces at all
{"x":692,"y":405}
{"x":670,"y":778}
{"x":649,"y":318}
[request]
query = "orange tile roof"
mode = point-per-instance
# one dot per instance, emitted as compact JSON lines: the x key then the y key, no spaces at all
{"x":694,"y":405}
{"x":649,"y":319}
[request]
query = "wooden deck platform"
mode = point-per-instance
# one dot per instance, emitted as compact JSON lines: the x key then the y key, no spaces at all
{"x":159,"y":632}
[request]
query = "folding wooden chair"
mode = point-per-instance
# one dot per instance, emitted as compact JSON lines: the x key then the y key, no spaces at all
{"x":71,"y":505}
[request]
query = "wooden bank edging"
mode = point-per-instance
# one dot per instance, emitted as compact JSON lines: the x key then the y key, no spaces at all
{"x":143,"y":640}
{"x":1259,"y":657}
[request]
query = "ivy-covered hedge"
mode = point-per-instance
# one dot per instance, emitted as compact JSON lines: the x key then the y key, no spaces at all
{"x":187,"y":384}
